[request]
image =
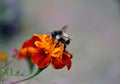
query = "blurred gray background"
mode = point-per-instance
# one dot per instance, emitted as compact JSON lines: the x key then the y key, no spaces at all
{"x":93,"y":25}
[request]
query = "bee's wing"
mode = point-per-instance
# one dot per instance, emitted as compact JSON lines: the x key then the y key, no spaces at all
{"x":64,"y":28}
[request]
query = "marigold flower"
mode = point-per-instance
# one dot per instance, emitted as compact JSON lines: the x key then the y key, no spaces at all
{"x":44,"y":50}
{"x":3,"y":57}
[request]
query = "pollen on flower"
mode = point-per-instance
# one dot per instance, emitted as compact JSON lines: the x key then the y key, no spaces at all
{"x":46,"y":52}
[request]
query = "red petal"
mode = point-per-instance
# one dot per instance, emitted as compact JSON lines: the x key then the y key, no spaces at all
{"x":57,"y":63}
{"x":31,"y":42}
{"x":67,"y":62}
{"x":41,"y":59}
{"x":67,"y":59}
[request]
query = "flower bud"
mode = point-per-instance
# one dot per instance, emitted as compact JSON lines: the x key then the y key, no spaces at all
{"x":14,"y":52}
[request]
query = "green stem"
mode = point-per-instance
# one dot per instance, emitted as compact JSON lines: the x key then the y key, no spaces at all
{"x":35,"y":73}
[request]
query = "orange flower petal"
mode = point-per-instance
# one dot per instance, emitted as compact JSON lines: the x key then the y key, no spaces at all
{"x":26,"y":52}
{"x":22,"y":53}
{"x":57,"y":52}
{"x":39,"y":44}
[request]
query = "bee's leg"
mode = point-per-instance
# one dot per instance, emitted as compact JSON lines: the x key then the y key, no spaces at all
{"x":65,"y":47}
{"x":57,"y":43}
{"x":63,"y":42}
